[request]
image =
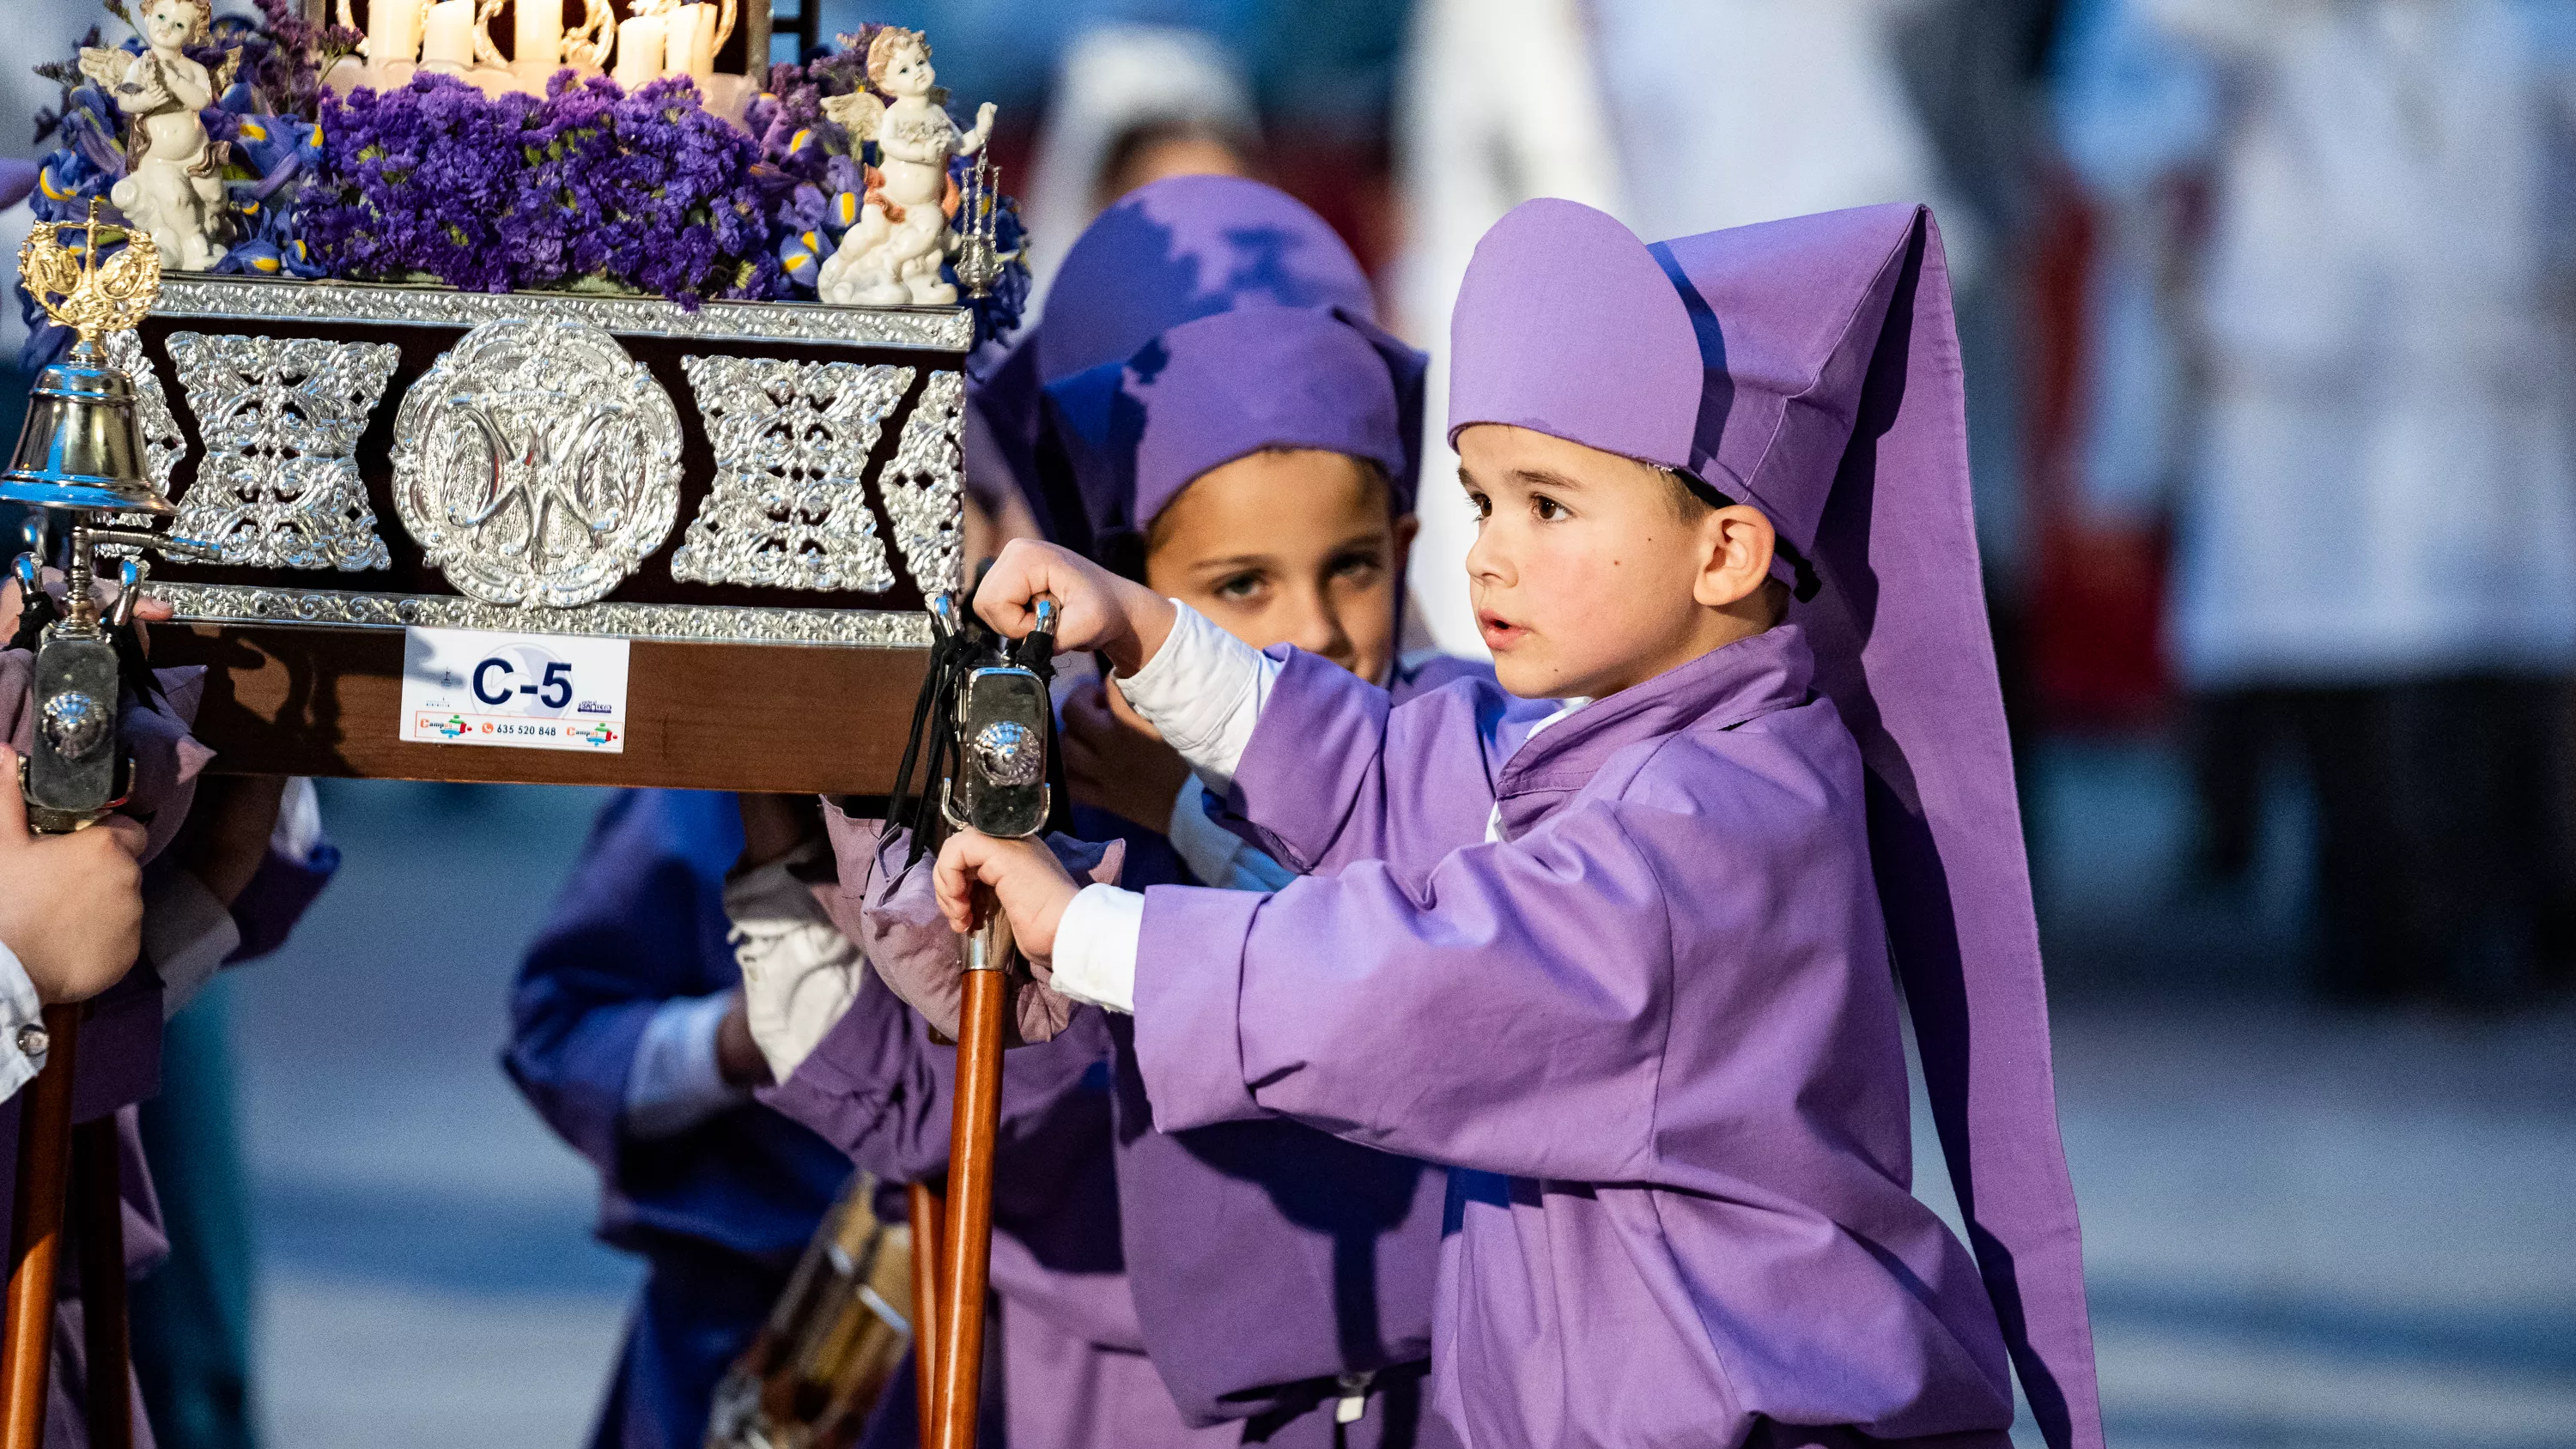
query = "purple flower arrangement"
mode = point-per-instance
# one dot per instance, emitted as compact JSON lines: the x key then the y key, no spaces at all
{"x":589,"y":187}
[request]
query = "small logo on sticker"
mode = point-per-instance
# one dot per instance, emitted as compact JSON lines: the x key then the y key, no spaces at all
{"x":598,"y":734}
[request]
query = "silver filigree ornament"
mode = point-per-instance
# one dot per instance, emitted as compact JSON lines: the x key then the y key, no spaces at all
{"x":925,"y":487}
{"x":936,"y":329}
{"x":536,"y":463}
{"x":792,"y":440}
{"x":679,"y":623}
{"x":163,"y":444}
{"x":280,"y":416}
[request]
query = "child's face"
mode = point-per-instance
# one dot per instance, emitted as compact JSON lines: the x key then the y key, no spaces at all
{"x":1587,"y":577}
{"x":1291,"y":547}
{"x":168,"y":21}
{"x":908,"y":72}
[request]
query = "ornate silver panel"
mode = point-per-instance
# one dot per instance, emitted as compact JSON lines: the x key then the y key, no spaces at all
{"x":280,"y":416}
{"x":925,"y":487}
{"x":163,"y":444}
{"x":536,"y":463}
{"x":792,"y":442}
{"x":937,"y":329}
{"x":681,"y":623}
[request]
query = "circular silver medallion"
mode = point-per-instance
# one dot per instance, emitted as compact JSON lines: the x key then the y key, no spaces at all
{"x":536,"y":463}
{"x":1010,"y":753}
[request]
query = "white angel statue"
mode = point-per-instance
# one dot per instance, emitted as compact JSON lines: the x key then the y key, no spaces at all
{"x":173,"y":185}
{"x":891,"y":255}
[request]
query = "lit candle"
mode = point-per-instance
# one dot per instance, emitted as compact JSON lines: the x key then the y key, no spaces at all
{"x":680,"y":40}
{"x":639,"y":50}
{"x":702,"y":51}
{"x":536,"y":51}
{"x":447,"y":41}
{"x":393,"y":30}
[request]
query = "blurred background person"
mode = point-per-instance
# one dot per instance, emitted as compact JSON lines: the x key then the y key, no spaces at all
{"x":1499,"y":101}
{"x":1681,"y":116}
{"x":628,"y":1036}
{"x":2376,"y":572}
{"x":1132,"y":104}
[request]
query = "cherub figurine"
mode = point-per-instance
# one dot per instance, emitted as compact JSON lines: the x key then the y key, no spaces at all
{"x":892,"y":253}
{"x":173,"y":185}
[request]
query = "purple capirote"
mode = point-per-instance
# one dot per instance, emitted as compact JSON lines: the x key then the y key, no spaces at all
{"x":1811,"y":367}
{"x":1214,"y":389}
{"x":1167,"y":252}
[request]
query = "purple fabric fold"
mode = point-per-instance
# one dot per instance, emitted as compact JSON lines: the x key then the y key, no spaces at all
{"x":909,"y":944}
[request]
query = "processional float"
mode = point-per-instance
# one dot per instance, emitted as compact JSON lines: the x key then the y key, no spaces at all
{"x":568,"y":529}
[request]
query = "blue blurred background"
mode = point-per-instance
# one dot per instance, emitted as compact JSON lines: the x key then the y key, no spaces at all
{"x":2266,"y":307}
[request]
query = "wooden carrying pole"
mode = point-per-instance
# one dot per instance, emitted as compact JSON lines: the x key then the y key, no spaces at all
{"x":36,"y":1234}
{"x":970,"y":1184}
{"x":929,"y":1245}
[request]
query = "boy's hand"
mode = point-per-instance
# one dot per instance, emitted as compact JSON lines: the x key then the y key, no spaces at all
{"x":234,"y":817}
{"x":1114,"y":760}
{"x":1099,"y":610}
{"x":71,"y":906}
{"x":1025,"y":877}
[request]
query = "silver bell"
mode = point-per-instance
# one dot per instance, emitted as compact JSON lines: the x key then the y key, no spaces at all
{"x":81,"y":446}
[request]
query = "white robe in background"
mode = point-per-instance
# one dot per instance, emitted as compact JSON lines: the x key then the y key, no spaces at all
{"x":2384,"y":489}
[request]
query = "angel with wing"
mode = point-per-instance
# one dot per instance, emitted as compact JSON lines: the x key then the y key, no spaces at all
{"x":892,"y":254}
{"x":173,"y":185}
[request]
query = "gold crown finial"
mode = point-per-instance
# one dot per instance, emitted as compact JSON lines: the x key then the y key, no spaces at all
{"x":78,"y":289}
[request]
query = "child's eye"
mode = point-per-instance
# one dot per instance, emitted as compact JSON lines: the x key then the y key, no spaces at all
{"x":1546,"y":508}
{"x":1483,"y":505}
{"x":1354,"y":566}
{"x":1239,"y":587}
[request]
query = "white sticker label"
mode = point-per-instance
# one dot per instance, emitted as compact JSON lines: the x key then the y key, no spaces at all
{"x":526,"y":691}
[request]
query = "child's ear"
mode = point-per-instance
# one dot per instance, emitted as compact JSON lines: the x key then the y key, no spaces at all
{"x":1407,"y":528}
{"x":1737,"y":543}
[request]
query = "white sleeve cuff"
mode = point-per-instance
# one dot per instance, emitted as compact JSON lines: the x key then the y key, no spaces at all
{"x":187,"y":933}
{"x":1216,"y":855}
{"x":19,"y":1009}
{"x":799,"y":973}
{"x":299,"y":821}
{"x":1095,"y":947}
{"x":1203,"y":690}
{"x":676,"y":1083}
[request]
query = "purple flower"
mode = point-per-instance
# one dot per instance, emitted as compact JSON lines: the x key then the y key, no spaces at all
{"x":419,"y":181}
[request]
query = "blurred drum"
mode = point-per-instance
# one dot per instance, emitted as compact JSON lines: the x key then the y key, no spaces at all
{"x":826,"y":1357}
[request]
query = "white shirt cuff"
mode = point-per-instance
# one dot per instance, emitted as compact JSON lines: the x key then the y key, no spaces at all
{"x":299,"y":821}
{"x":1095,"y":947}
{"x":187,"y":933}
{"x":1216,"y":855}
{"x":19,"y":1010}
{"x":1203,"y":690}
{"x":676,"y":1083}
{"x":799,"y":973}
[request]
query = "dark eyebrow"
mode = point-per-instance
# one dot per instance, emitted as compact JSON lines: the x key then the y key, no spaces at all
{"x":1230,"y":564}
{"x":1543,"y":478}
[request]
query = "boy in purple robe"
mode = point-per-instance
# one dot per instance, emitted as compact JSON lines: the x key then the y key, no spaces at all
{"x":1278,"y":1278}
{"x":1623,"y":963}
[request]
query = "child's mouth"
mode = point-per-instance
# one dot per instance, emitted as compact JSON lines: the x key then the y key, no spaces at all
{"x":1499,"y":633}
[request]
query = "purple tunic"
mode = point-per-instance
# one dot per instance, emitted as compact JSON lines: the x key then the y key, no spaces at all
{"x":1653,"y":1026}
